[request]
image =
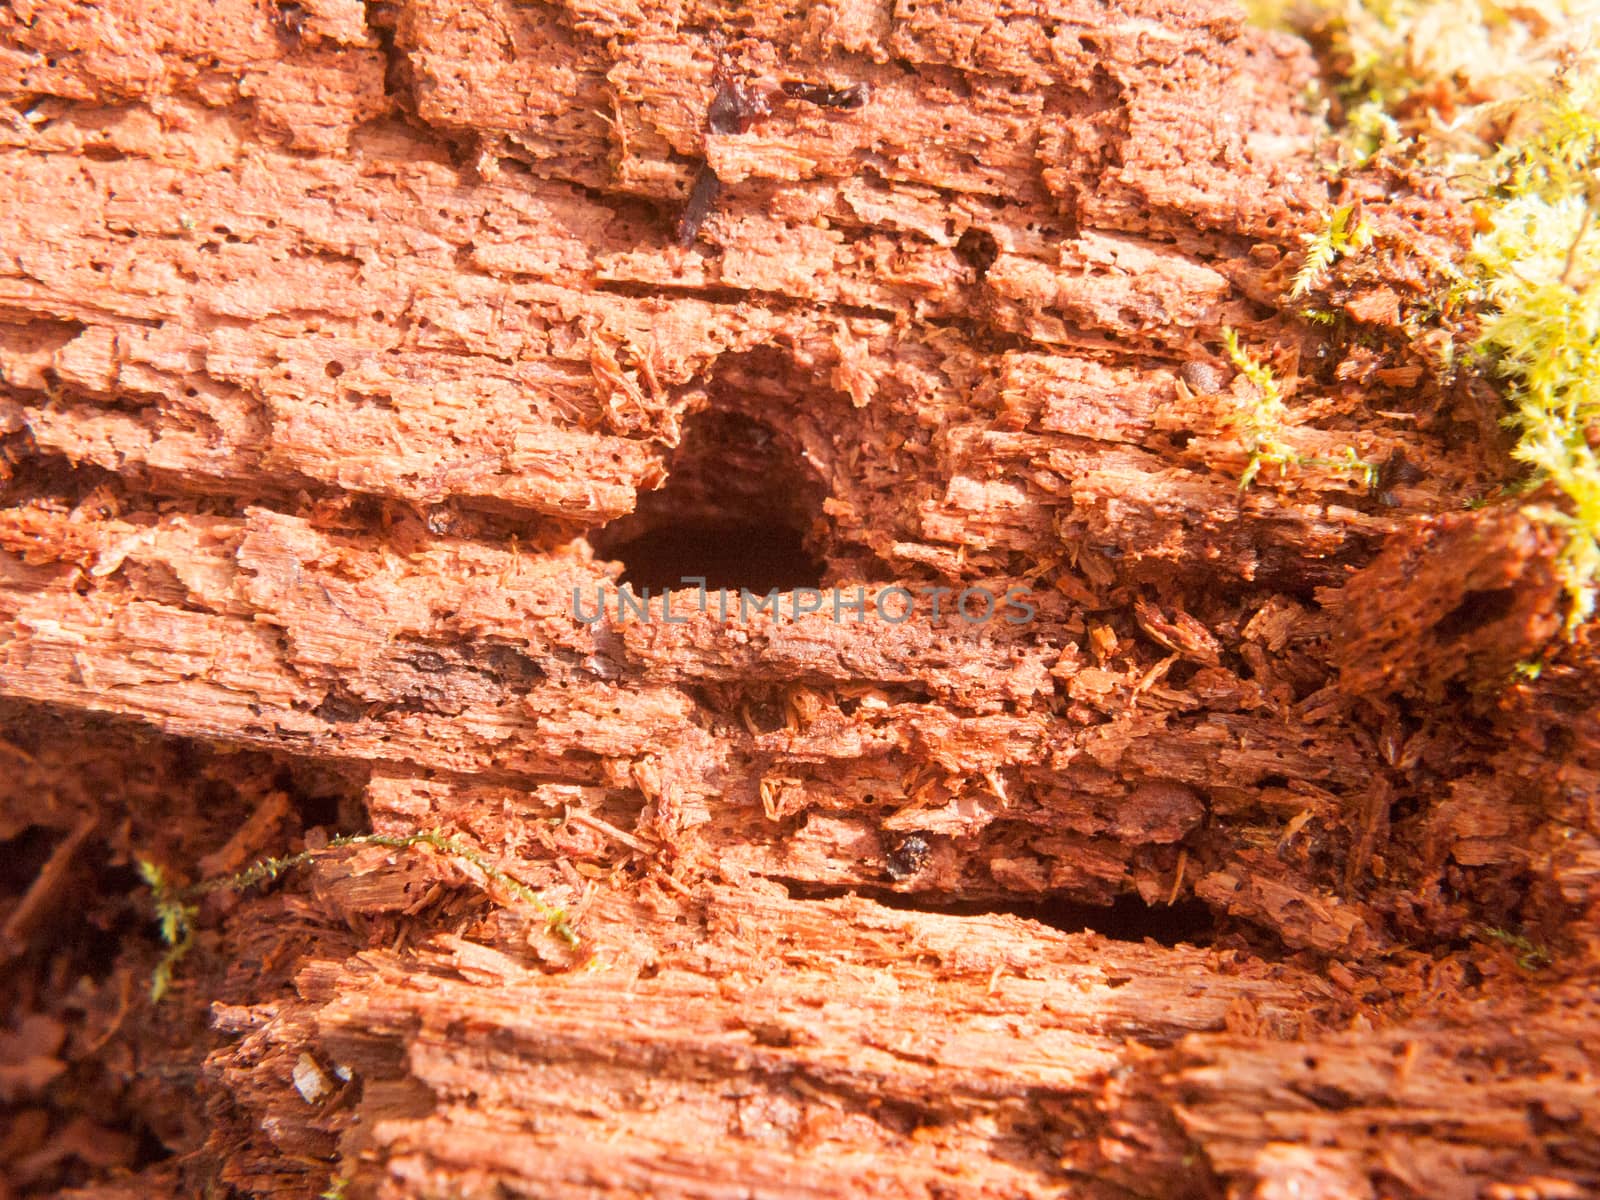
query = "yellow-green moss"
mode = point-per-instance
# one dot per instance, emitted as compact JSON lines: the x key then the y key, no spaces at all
{"x":1261,"y":421}
{"x":1343,"y":233}
{"x":1440,"y":71}
{"x":1504,"y":100}
{"x":1536,"y":278}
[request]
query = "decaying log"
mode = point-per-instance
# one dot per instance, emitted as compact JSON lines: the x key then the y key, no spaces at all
{"x":352,"y":354}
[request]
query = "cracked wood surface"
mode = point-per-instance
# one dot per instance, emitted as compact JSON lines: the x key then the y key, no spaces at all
{"x":340,"y":343}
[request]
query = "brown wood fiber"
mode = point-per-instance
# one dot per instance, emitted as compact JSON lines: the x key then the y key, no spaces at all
{"x":340,"y":343}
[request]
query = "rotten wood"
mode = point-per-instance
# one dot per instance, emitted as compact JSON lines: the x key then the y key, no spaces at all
{"x":342,"y":345}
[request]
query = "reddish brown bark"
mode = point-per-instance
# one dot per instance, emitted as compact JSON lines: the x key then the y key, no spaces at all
{"x":340,"y":343}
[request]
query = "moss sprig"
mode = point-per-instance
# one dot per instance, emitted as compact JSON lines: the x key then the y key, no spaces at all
{"x":1261,"y":423}
{"x":1344,"y":232}
{"x":1530,"y":955}
{"x":177,"y":910}
{"x":176,"y":917}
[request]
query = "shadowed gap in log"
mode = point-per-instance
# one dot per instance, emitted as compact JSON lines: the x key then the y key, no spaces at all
{"x":22,"y":856}
{"x":1125,"y":919}
{"x":737,"y":508}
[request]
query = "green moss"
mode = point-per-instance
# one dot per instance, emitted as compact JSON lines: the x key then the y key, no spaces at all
{"x":1504,"y":102}
{"x":177,"y":911}
{"x":1536,"y":280}
{"x":176,"y":917}
{"x":1530,"y":955}
{"x":1440,"y":71}
{"x":1343,"y":233}
{"x":1261,"y":424}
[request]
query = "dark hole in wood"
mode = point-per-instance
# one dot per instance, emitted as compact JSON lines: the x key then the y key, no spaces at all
{"x":151,"y":1149}
{"x":100,"y":931}
{"x":22,"y":858}
{"x":313,"y":805}
{"x":730,"y":554}
{"x":1126,"y":919}
{"x":736,"y":508}
{"x":1477,"y":610}
{"x":978,"y":249}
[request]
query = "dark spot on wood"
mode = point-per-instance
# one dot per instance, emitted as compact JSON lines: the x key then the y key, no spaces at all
{"x":908,"y":858}
{"x":728,"y":111}
{"x":290,"y":19}
{"x":1475,"y":611}
{"x":1325,"y":1095}
{"x":767,"y":1033}
{"x":340,"y":706}
{"x":978,"y":249}
{"x":512,"y":667}
{"x":429,"y":661}
{"x":702,"y":199}
{"x":853,"y":97}
{"x":1394,"y":471}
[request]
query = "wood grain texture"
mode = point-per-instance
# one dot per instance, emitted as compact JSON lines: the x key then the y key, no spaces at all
{"x":342,"y":344}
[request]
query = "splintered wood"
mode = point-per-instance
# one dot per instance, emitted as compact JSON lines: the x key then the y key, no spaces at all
{"x":1075,"y":822}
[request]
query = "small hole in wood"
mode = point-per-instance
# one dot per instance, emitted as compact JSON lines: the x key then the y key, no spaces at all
{"x":736,"y":508}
